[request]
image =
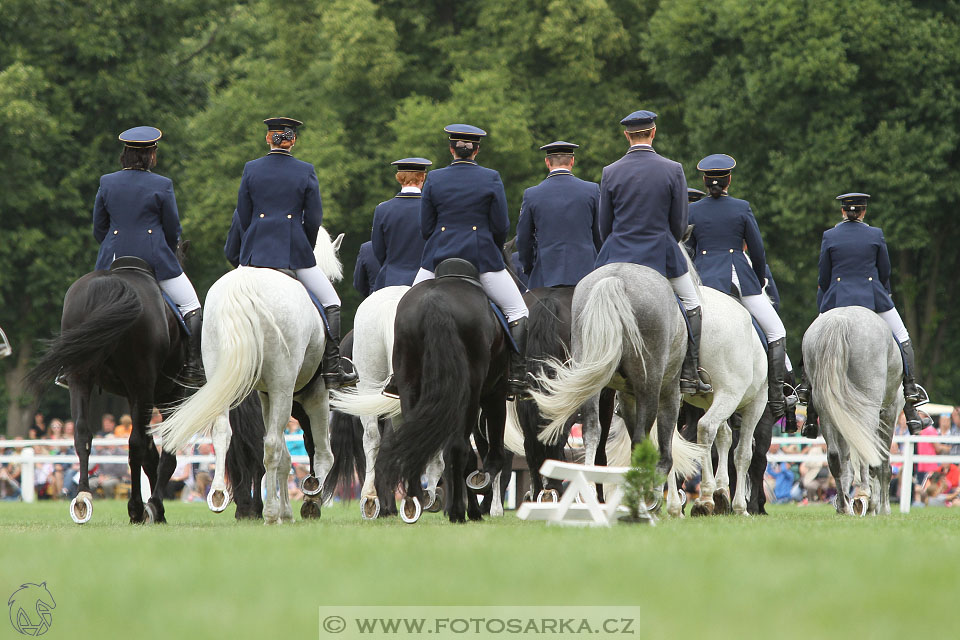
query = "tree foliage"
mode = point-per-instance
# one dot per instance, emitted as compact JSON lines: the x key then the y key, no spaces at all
{"x":812,"y":99}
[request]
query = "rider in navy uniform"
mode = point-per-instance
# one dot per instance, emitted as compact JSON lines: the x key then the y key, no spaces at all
{"x":135,"y":214}
{"x":721,"y":226}
{"x":642,"y":217}
{"x":397,"y":241}
{"x":855,"y":271}
{"x":557,"y":235}
{"x":366,"y":270}
{"x":463,"y":214}
{"x":278,"y":206}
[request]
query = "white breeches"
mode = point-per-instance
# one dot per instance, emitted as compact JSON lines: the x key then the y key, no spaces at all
{"x":766,"y":316}
{"x":893,"y":320}
{"x":686,"y":291}
{"x":181,"y":291}
{"x":501,"y":289}
{"x":317,"y":283}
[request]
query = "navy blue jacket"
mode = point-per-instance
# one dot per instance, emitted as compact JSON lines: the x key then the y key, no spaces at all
{"x":135,"y":214}
{"x":234,"y":237}
{"x":557,"y":235}
{"x":280,"y":212}
{"x":643,"y":212}
{"x":720,"y":227}
{"x":463,"y":214}
{"x":524,"y":284}
{"x":772,"y":291}
{"x":854,"y":268}
{"x":397,"y":242}
{"x":366,"y":270}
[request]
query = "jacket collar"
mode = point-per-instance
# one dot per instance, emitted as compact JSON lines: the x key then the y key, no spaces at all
{"x":641,"y":147}
{"x":279,"y":152}
{"x":560,"y":172}
{"x":463,"y":162}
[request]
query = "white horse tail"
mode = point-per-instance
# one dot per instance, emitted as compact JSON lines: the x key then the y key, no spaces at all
{"x":355,"y":403}
{"x":837,"y":398}
{"x":605,"y":321}
{"x":236,"y":317}
{"x":686,"y":455}
{"x":512,"y":436}
{"x":619,"y":447}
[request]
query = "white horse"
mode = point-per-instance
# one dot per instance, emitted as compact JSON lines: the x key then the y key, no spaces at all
{"x":373,"y":361}
{"x":261,"y":331}
{"x":855,"y":371}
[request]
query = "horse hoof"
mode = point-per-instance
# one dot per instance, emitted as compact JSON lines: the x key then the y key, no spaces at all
{"x":369,"y":508}
{"x":722,"y":502}
{"x":81,"y":508}
{"x":218,"y":500}
{"x":410,"y":509}
{"x":701,"y":509}
{"x":652,"y":502}
{"x":310,"y":510}
{"x":548,"y":496}
{"x":310,"y":485}
{"x":437,"y":504}
{"x":860,"y":506}
{"x":149,"y":514}
{"x":478,"y":480}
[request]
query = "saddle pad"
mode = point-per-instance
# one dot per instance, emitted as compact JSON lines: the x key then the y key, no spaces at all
{"x":763,"y":337}
{"x":506,"y":326}
{"x":316,"y":303}
{"x":176,"y":311}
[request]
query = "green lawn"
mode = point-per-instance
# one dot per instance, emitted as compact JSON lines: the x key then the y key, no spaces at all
{"x":799,"y":573}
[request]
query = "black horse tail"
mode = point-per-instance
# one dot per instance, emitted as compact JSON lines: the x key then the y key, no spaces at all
{"x":245,"y":456}
{"x":346,"y":441}
{"x":545,"y":341}
{"x":438,"y":416}
{"x":111,"y":307}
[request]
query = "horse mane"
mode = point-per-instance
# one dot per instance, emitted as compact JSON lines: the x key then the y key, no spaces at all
{"x":693,"y":270}
{"x":326,"y":254}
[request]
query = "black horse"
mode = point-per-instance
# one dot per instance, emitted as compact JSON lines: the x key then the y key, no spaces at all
{"x":245,"y":458}
{"x":118,"y":334}
{"x":450,"y":360}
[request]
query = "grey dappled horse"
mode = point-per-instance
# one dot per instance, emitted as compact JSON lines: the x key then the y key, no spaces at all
{"x":626,"y":322}
{"x":855,"y":371}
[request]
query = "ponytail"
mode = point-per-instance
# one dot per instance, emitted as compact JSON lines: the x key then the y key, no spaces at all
{"x":854,"y":212}
{"x":716,"y":184}
{"x":463,"y":149}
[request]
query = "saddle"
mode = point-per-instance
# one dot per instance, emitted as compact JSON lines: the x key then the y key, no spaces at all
{"x":465,"y":271}
{"x":133,"y":263}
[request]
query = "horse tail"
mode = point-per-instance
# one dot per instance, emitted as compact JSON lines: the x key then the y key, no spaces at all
{"x":237,"y":317}
{"x":438,"y":416}
{"x":346,"y":442}
{"x":245,"y":455}
{"x":111,"y":307}
{"x":604,"y":323}
{"x":686,"y":455}
{"x":619,"y":447}
{"x":371,"y":403}
{"x":512,"y":436}
{"x":837,"y":397}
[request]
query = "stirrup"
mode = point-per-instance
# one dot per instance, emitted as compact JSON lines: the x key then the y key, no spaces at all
{"x":790,"y":401}
{"x":390,"y":389}
{"x":61,"y":380}
{"x":922,"y":397}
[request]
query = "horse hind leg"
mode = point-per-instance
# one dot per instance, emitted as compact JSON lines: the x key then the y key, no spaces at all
{"x":219,"y":497}
{"x":138,"y":457}
{"x":707,"y":429}
{"x":272,"y":444}
{"x":81,"y":507}
{"x":721,"y":496}
{"x":370,"y":503}
{"x":743,"y":457}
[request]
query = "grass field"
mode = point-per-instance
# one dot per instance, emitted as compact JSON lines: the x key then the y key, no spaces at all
{"x":799,"y":573}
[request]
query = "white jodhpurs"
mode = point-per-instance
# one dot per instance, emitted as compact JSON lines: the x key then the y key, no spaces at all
{"x":893,"y":320}
{"x":501,"y":289}
{"x":766,"y":316}
{"x":317,"y":283}
{"x":181,"y":291}
{"x":686,"y":291}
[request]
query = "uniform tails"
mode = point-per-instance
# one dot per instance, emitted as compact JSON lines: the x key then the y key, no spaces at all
{"x":112,"y":307}
{"x":439,"y":414}
{"x":237,"y":317}
{"x":607,"y":321}
{"x":837,"y":398}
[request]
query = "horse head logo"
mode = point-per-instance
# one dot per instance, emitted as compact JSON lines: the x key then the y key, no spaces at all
{"x":30,"y":609}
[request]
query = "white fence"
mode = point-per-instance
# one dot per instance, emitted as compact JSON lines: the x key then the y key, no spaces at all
{"x":27,"y":458}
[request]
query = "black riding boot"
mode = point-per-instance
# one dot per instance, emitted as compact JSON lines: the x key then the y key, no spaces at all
{"x":911,"y":394}
{"x":517,"y":369}
{"x":803,"y":391}
{"x":790,"y":417}
{"x":333,"y":374}
{"x":193,"y":368}
{"x":776,"y":372}
{"x":811,"y":428}
{"x":690,"y":382}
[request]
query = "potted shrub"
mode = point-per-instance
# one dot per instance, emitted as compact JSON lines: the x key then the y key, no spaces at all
{"x":641,"y":482}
